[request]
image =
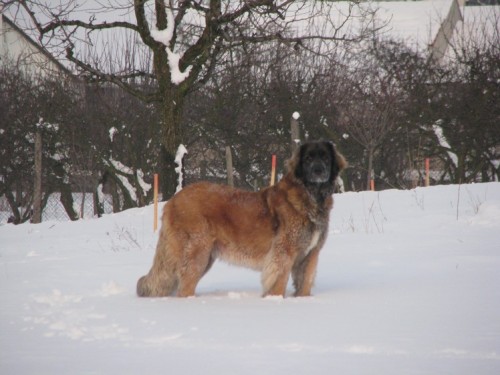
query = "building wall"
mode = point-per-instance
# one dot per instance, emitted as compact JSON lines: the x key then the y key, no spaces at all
{"x":18,"y":49}
{"x":445,"y":33}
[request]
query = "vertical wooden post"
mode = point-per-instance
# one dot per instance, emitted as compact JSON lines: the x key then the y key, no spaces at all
{"x":370,"y":173}
{"x":273,"y":169}
{"x":295,"y":131}
{"x":155,"y":202}
{"x":37,"y":189}
{"x":229,"y":166}
{"x":427,"y":172}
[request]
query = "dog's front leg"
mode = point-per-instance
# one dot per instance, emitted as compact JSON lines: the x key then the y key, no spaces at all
{"x":304,"y":273}
{"x":276,"y":271}
{"x":278,"y":285}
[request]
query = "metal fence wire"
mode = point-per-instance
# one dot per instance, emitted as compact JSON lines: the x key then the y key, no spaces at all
{"x":54,"y":209}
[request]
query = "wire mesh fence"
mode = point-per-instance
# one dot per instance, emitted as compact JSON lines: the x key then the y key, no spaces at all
{"x":83,"y":204}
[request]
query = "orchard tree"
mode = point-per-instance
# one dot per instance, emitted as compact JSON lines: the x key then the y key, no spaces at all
{"x":370,"y":104}
{"x":175,"y":44}
{"x":45,"y":106}
{"x":468,"y":105}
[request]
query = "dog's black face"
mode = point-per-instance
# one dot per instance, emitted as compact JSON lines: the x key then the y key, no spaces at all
{"x":317,"y":167}
{"x":316,"y":161}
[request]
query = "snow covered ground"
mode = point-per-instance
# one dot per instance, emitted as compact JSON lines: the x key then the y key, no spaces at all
{"x":408,"y":283}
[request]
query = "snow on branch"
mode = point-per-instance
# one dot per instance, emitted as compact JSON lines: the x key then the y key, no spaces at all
{"x":112,"y":132}
{"x":143,"y":184}
{"x":127,"y":186}
{"x":179,"y":156}
{"x":164,"y":37}
{"x":44,"y":125}
{"x":121,"y":167}
{"x":443,"y":142}
{"x":121,"y":171}
{"x":176,"y":75}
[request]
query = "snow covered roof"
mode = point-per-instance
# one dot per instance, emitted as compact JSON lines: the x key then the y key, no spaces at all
{"x":415,"y":22}
{"x":481,"y":25}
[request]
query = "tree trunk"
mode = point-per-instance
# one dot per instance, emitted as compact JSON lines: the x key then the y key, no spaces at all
{"x":37,"y":190}
{"x":172,"y":138}
{"x":115,"y":195}
{"x":68,"y":202}
{"x":16,"y":215}
{"x":65,"y":189}
{"x":166,"y":174}
{"x":460,"y":177}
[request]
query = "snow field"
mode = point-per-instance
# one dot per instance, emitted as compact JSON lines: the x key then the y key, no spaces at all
{"x":407,"y":284}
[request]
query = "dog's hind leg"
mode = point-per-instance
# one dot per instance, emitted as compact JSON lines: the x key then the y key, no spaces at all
{"x":198,"y":261}
{"x":161,"y":281}
{"x":211,"y":262}
{"x":158,"y":284}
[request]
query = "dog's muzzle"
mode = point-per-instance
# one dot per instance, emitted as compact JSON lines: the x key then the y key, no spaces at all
{"x":318,"y":173}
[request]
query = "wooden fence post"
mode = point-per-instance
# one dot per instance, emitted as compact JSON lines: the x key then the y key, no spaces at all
{"x":155,"y":202}
{"x":295,"y":131}
{"x":229,"y":166}
{"x":37,"y":188}
{"x":427,"y":172}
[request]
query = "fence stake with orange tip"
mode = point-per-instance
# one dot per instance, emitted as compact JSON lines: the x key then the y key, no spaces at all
{"x":273,"y":169}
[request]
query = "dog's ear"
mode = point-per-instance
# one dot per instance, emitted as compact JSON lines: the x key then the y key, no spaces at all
{"x":341,"y":162}
{"x":338,"y":161}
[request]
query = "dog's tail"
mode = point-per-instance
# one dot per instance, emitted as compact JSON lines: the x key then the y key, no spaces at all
{"x":161,"y":281}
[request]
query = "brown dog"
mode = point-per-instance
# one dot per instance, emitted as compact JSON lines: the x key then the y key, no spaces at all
{"x":278,"y":230}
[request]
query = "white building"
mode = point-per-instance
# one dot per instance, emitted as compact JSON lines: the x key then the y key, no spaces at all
{"x":19,"y":50}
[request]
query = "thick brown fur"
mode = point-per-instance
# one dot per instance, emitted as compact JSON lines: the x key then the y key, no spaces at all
{"x":278,"y":231}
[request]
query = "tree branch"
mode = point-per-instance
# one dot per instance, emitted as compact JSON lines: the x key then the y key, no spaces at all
{"x":143,"y":25}
{"x":89,"y":26}
{"x":115,"y":79}
{"x":245,"y":8}
{"x":58,"y":23}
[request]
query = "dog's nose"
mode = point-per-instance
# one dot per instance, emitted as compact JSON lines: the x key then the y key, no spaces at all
{"x":318,"y":169}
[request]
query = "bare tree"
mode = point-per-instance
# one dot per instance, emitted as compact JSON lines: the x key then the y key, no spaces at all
{"x":469,"y":100}
{"x":45,"y":107}
{"x":181,"y":42}
{"x":369,"y":109}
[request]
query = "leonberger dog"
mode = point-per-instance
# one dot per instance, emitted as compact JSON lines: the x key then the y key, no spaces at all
{"x":278,"y":230}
